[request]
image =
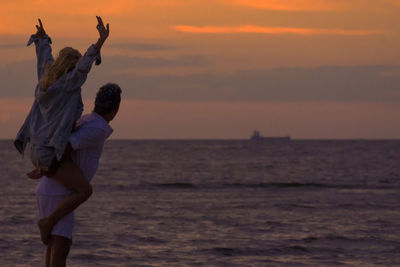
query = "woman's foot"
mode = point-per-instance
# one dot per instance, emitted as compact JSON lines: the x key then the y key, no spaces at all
{"x":34,"y":174}
{"x":45,"y":230}
{"x":38,"y":172}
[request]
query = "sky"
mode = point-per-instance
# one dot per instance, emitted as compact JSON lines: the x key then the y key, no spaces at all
{"x":311,"y":69}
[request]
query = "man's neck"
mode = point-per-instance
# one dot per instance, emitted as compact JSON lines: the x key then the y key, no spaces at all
{"x":105,"y":117}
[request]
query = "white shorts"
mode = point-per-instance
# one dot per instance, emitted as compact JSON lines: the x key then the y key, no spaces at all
{"x":46,"y":204}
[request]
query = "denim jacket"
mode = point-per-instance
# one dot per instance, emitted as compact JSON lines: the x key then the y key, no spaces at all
{"x":54,"y":111}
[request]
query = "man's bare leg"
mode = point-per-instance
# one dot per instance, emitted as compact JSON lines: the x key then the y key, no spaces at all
{"x":48,"y":254}
{"x":71,"y":177}
{"x":57,"y":251}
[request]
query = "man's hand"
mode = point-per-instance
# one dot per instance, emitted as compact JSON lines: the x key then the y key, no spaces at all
{"x":40,"y":30}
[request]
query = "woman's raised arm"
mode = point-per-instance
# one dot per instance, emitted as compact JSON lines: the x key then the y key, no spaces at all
{"x":78,"y":75}
{"x":103,"y":32}
{"x":43,"y":48}
{"x":40,"y":30}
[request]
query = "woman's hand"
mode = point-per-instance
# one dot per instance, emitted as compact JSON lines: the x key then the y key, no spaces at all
{"x":103,"y":32}
{"x":40,"y":30}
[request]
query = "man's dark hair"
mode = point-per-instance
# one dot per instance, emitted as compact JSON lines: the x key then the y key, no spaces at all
{"x":107,"y":99}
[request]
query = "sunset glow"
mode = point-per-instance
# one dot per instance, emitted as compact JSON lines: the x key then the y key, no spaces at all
{"x":295,"y":5}
{"x":268,"y":30}
{"x":193,"y":59}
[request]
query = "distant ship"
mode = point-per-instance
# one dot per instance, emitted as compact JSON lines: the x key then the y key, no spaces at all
{"x":258,"y":137}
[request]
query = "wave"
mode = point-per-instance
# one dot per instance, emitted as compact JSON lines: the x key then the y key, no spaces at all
{"x":152,"y":239}
{"x":311,"y":239}
{"x":349,"y":239}
{"x":253,"y":251}
{"x":241,"y":185}
{"x":272,"y":185}
{"x":280,"y":185}
{"x":176,"y":185}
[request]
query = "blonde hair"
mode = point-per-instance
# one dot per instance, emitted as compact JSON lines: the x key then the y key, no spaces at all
{"x":65,"y":62}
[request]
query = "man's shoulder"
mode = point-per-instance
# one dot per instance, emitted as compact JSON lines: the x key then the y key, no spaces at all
{"x":92,"y":120}
{"x":92,"y":130}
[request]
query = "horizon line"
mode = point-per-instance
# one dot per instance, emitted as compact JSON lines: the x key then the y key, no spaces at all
{"x":242,"y":139}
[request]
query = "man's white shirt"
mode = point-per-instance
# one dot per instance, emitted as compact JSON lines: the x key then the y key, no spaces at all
{"x":87,"y":142}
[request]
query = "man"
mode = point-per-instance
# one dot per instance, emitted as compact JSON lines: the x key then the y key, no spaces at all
{"x":87,"y":143}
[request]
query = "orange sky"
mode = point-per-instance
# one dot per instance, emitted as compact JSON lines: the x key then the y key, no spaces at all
{"x":295,"y":5}
{"x":273,"y":30}
{"x":223,"y":54}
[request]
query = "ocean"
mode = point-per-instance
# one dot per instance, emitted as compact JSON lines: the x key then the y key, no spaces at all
{"x":221,"y":203}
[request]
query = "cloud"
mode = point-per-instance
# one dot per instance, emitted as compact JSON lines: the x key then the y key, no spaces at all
{"x":293,"y":5}
{"x":78,"y":7}
{"x":372,"y":83}
{"x":76,"y":18}
{"x":270,"y":30}
{"x":215,"y":119}
{"x":391,"y":72}
{"x":123,"y":62}
{"x":330,"y":83}
{"x":19,"y":78}
{"x":141,"y":46}
{"x":12,"y":46}
{"x":12,"y":112}
{"x":4,"y":117}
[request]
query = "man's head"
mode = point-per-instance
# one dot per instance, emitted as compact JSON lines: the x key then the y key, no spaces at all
{"x":107,"y":101}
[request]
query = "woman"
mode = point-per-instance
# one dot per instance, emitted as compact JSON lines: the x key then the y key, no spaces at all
{"x":48,"y":126}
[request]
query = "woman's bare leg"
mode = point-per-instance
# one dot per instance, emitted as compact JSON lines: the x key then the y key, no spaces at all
{"x":71,"y":177}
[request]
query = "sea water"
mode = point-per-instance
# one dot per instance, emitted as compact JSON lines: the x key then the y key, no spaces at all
{"x":221,"y":203}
